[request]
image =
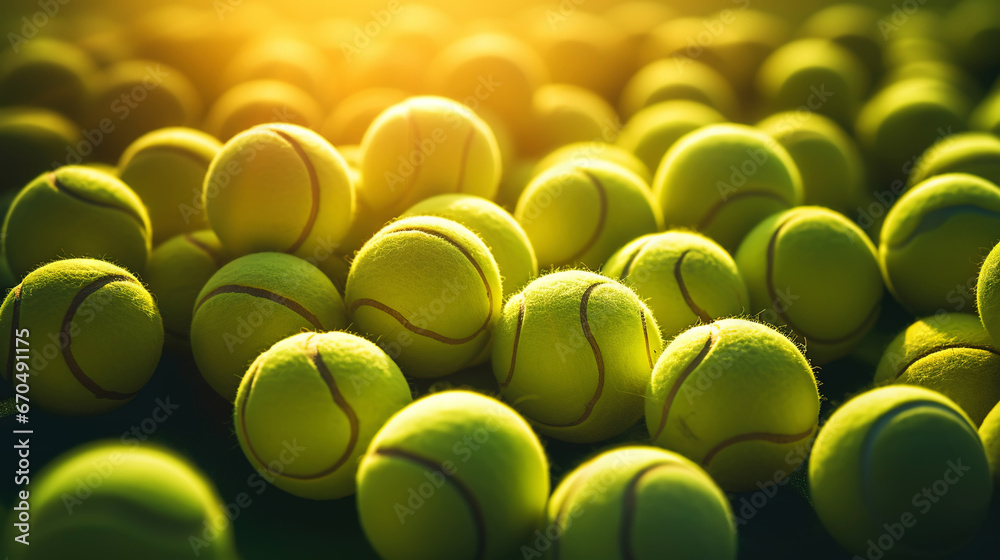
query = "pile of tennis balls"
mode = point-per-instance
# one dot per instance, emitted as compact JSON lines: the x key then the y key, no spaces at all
{"x":713,"y":254}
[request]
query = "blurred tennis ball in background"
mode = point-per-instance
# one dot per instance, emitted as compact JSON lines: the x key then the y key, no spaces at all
{"x":47,"y":73}
{"x":854,"y":27}
{"x":563,"y":114}
{"x":33,"y":140}
{"x":583,"y":153}
{"x":261,"y":102}
{"x":975,"y":153}
{"x":353,"y":115}
{"x":177,"y":270}
{"x":675,"y":79}
{"x":653,"y":130}
{"x":285,"y":59}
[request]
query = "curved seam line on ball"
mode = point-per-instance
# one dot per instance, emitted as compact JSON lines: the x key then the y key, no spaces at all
{"x":264,"y":294}
{"x":465,"y":160}
{"x":517,"y":340}
{"x":470,"y":499}
{"x":713,"y":337}
{"x":933,"y":220}
{"x":338,"y":398}
{"x":601,"y":217}
{"x":629,"y":505}
{"x":216,"y":258}
{"x":313,"y":190}
{"x":67,"y":350}
{"x":426,"y":332}
{"x":755,"y":436}
{"x":60,"y":187}
{"x":645,"y":336}
{"x":942,"y":348}
{"x":710,"y":215}
{"x":16,"y":322}
{"x":188,"y":154}
{"x":679,"y":277}
{"x":627,"y":269}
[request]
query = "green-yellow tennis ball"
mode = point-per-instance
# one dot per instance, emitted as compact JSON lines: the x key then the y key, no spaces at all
{"x":308,"y":215}
{"x":579,"y":153}
{"x":134,"y":502}
{"x":934,"y":238}
{"x":816,"y":272}
{"x":986,"y":116}
{"x":261,"y":102}
{"x":31,"y":141}
{"x":94,"y":332}
{"x":76,"y":212}
{"x":814,"y":76}
{"x":426,"y":146}
{"x":167,"y":169}
{"x":515,"y":179}
{"x":573,"y":352}
{"x":638,"y":502}
{"x":355,"y":113}
{"x":685,"y":278}
{"x":854,"y":27}
{"x":940,"y":70}
{"x":950,"y":353}
{"x":252,"y":303}
{"x":177,"y":270}
{"x":975,"y":153}
{"x":972,"y":27}
{"x":344,"y":389}
{"x":563,"y":114}
{"x":677,"y":78}
{"x":453,"y":475}
{"x":988,"y":294}
{"x":736,"y":397}
{"x":723,"y":179}
{"x":504,"y":237}
{"x":280,"y":57}
{"x":828,"y":159}
{"x":653,"y":130}
{"x":46,"y":72}
{"x":441,"y":318}
{"x":581,"y":213}
{"x":989,"y":432}
{"x":899,"y":472}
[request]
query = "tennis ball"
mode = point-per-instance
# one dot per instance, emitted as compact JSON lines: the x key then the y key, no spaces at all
{"x":723,"y":179}
{"x":426,"y":146}
{"x":355,"y":113}
{"x":286,"y":59}
{"x":580,"y":214}
{"x":639,"y":502}
{"x":139,"y":502}
{"x":167,"y":169}
{"x":653,"y":130}
{"x":32,"y":141}
{"x":516,"y":176}
{"x":972,"y":27}
{"x":563,"y":114}
{"x":685,"y":278}
{"x":78,"y":212}
{"x":950,"y":353}
{"x":573,"y":352}
{"x":828,"y":159}
{"x":814,"y":75}
{"x":442,"y":317}
{"x":308,"y":215}
{"x":934,"y":238}
{"x":988,"y":293}
{"x":504,"y":237}
{"x":134,"y":97}
{"x":989,"y":432}
{"x":453,"y":475}
{"x":677,"y":78}
{"x":899,"y":472}
{"x":854,"y":27}
{"x":47,"y":73}
{"x":975,"y":153}
{"x":177,"y":270}
{"x":705,"y":402}
{"x":637,"y":20}
{"x":252,"y":303}
{"x":939,"y":70}
{"x":816,"y":272}
{"x":261,"y":102}
{"x":986,"y":116}
{"x":94,"y":331}
{"x":344,"y":388}
{"x":583,"y":153}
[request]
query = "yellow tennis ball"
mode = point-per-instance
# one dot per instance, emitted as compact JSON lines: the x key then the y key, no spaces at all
{"x":707,"y":399}
{"x":94,"y":334}
{"x":677,"y":78}
{"x":442,"y":316}
{"x":685,"y":278}
{"x":355,"y":113}
{"x":975,"y":153}
{"x":291,"y":60}
{"x":854,"y":27}
{"x":307,"y":216}
{"x":989,"y":432}
{"x":504,"y":237}
{"x":723,"y":179}
{"x":563,"y":114}
{"x":816,"y":272}
{"x":344,"y":388}
{"x":986,"y":116}
{"x":972,"y":27}
{"x":426,"y":146}
{"x":139,"y":502}
{"x":580,"y":214}
{"x":934,"y":238}
{"x":653,"y":130}
{"x":828,"y":159}
{"x":31,"y":141}
{"x":76,"y":212}
{"x":742,"y":39}
{"x":48,"y":73}
{"x":252,"y":303}
{"x":573,"y":352}
{"x":515,"y":179}
{"x":988,"y":293}
{"x":261,"y":102}
{"x":637,"y":502}
{"x":900,"y":472}
{"x":950,"y":353}
{"x":579,"y":153}
{"x":453,"y":475}
{"x":167,"y":169}
{"x":177,"y":270}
